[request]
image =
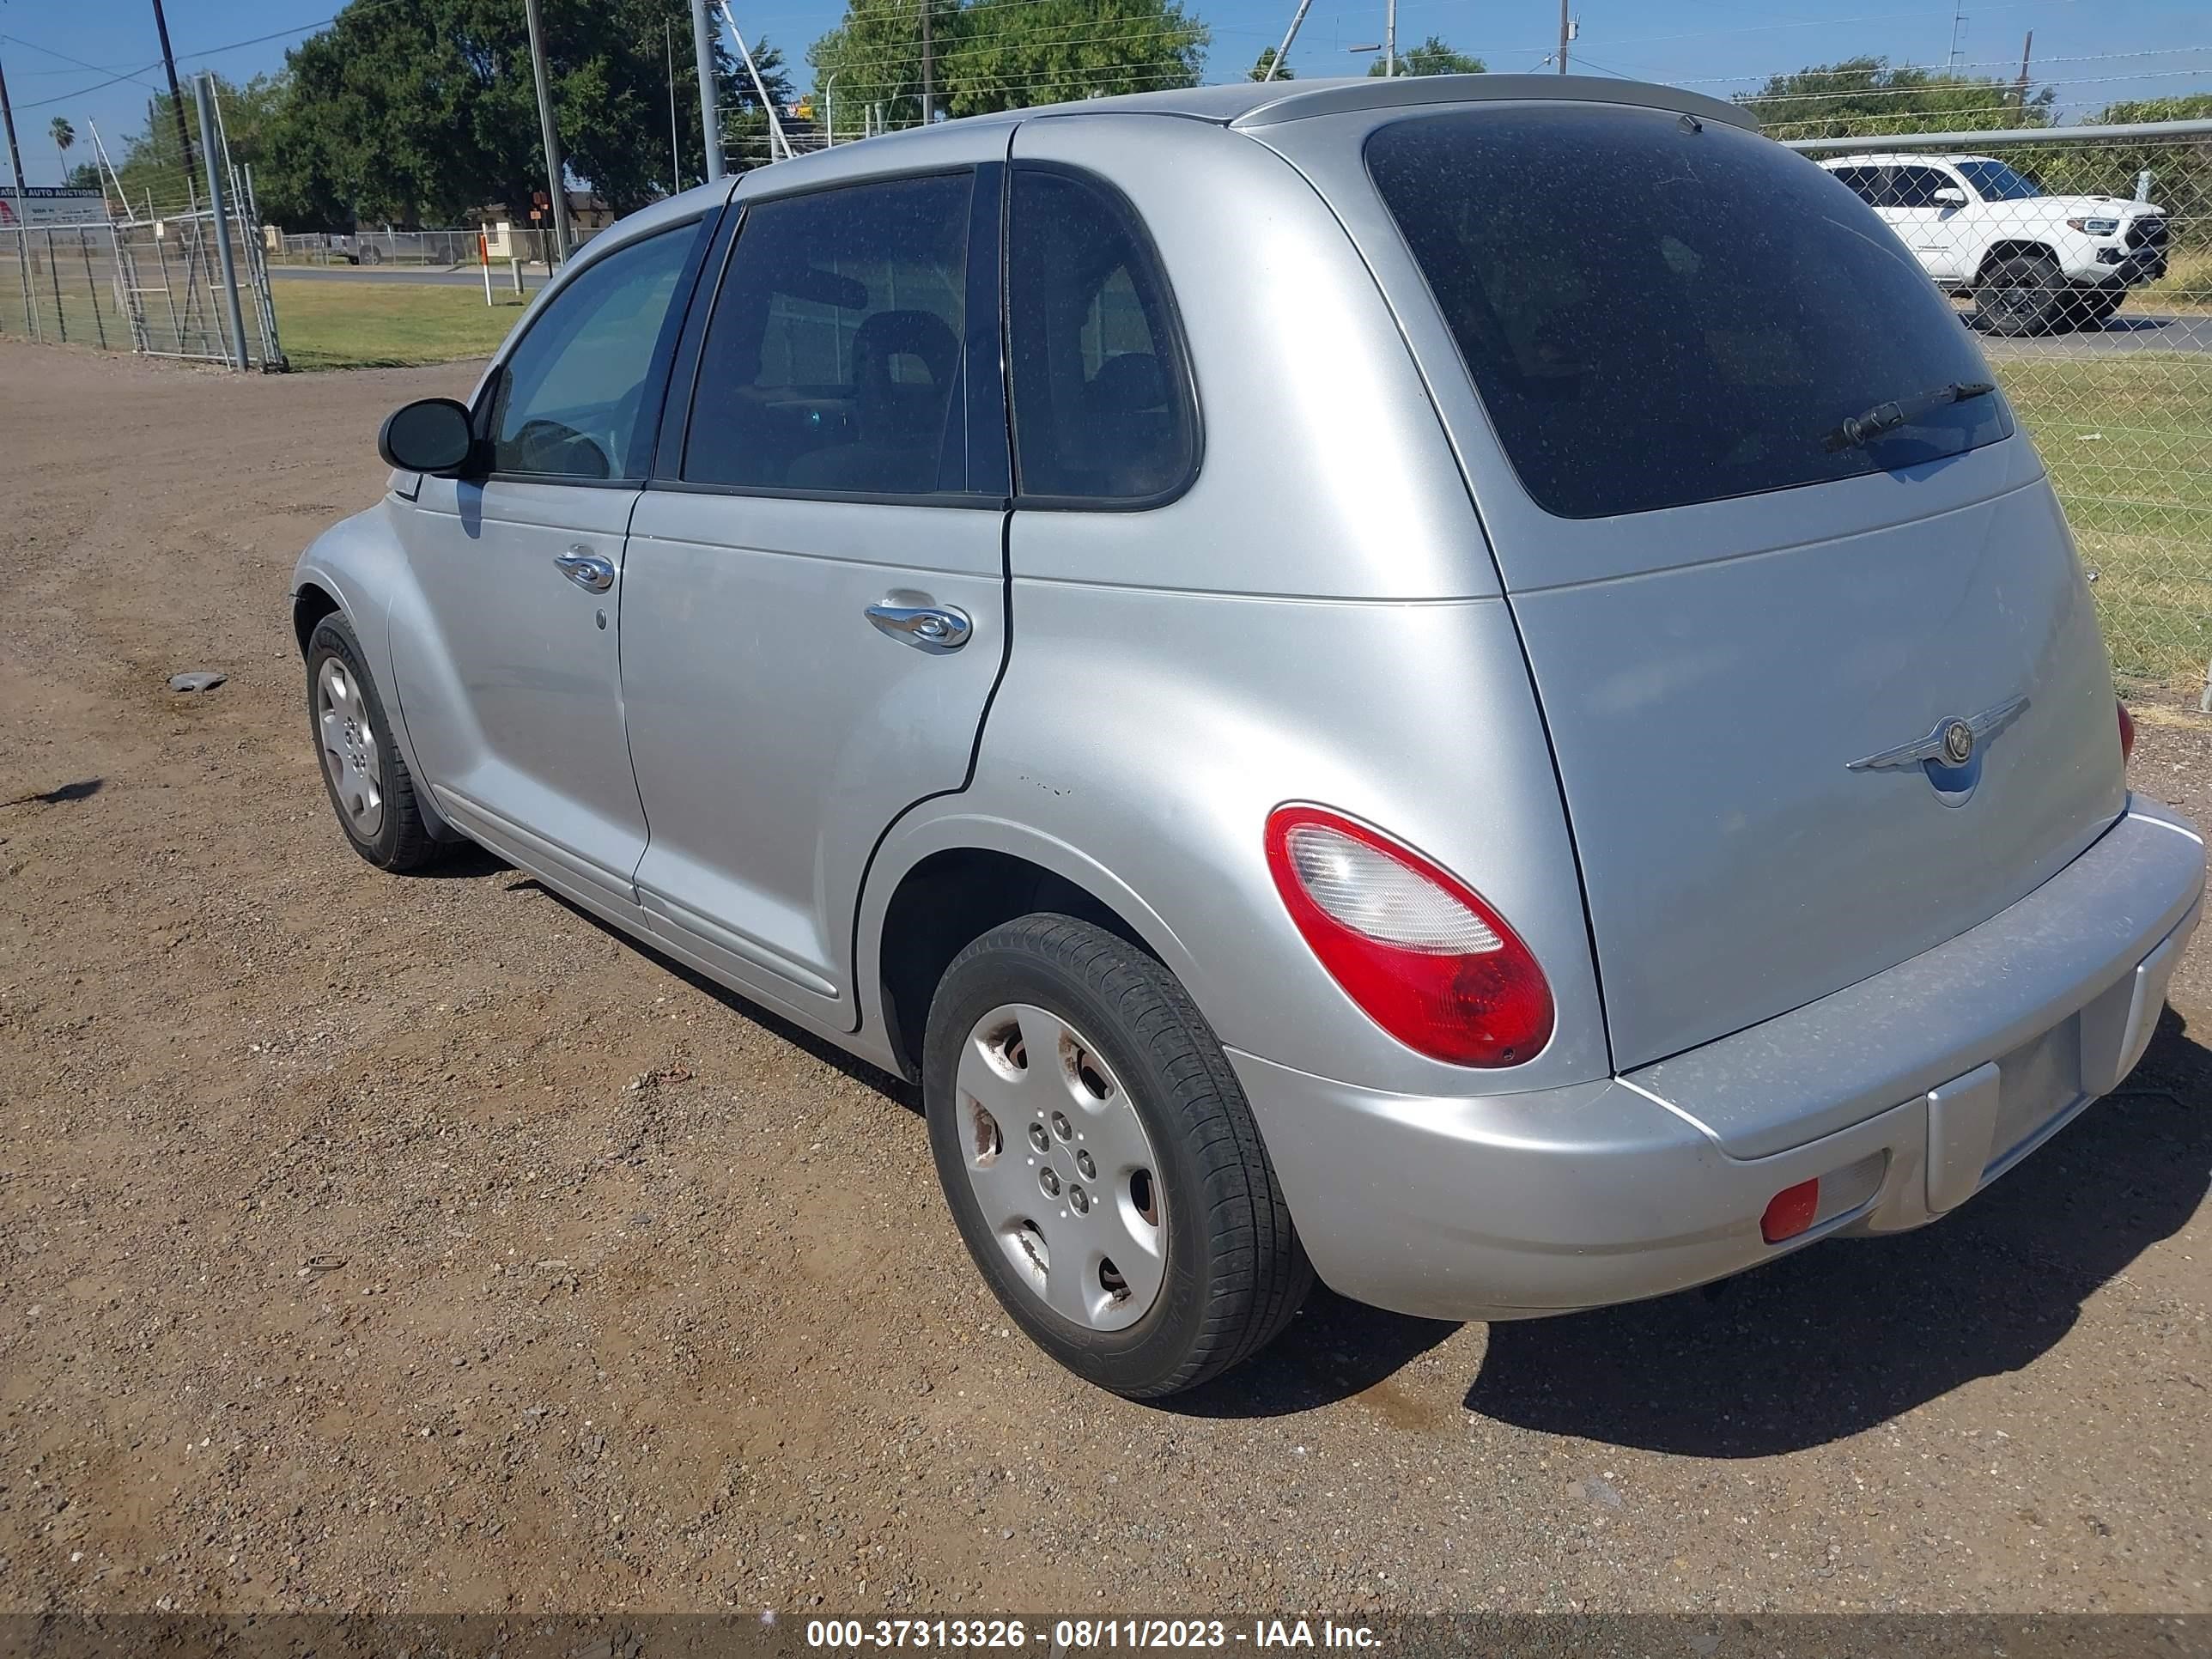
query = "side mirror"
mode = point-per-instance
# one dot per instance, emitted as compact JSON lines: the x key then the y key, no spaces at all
{"x":432,"y":436}
{"x":1950,"y":195}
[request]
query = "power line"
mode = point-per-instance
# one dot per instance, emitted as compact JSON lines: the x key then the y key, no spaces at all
{"x":358,"y":6}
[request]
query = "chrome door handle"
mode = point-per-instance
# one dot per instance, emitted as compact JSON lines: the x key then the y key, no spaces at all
{"x":933,"y":627}
{"x":587,"y":569}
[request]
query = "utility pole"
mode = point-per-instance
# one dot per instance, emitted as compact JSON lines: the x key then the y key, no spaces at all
{"x":928,"y":68}
{"x":1390,"y":38}
{"x":219,"y":215}
{"x":1282,"y":52}
{"x":176,"y":96}
{"x":675,"y":155}
{"x":553,"y":170}
{"x":1566,"y":33}
{"x":2027,"y":47}
{"x":22,"y":229}
{"x":710,"y":122}
{"x":779,"y":145}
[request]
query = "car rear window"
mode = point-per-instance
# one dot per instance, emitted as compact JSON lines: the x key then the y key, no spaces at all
{"x":1658,"y":310}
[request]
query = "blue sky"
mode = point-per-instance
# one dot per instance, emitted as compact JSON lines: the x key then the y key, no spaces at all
{"x":57,"y":53}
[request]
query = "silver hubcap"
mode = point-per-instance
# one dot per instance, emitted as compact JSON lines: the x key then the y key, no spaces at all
{"x":1059,"y":1162}
{"x":349,"y":756}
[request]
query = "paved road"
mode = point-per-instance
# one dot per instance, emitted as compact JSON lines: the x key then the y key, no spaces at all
{"x":431,"y":275}
{"x":2127,"y":332}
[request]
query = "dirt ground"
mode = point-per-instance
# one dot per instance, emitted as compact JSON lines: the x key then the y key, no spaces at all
{"x":379,"y":1242}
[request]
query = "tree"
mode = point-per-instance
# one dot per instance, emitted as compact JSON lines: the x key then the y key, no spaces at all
{"x":875,"y":55}
{"x":2180,"y":169}
{"x":1432,"y":56}
{"x":1260,"y":67}
{"x":64,"y":136}
{"x":1863,"y":96}
{"x":151,"y":168}
{"x":415,"y":112}
{"x":418,"y":111}
{"x":1006,"y":54}
{"x":1009,"y":54}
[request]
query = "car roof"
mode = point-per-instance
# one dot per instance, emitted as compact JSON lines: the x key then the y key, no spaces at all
{"x":1268,"y":103}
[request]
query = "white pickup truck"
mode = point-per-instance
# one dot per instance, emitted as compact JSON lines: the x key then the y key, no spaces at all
{"x":2035,"y":264}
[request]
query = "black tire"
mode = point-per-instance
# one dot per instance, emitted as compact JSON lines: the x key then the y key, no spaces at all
{"x":2088,"y":307}
{"x":1235,"y":1272}
{"x":402,"y":841}
{"x":2023,"y":295}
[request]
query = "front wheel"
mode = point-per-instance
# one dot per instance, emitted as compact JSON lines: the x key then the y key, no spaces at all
{"x":2090,"y":306}
{"x":364,"y":775}
{"x":1100,"y":1162}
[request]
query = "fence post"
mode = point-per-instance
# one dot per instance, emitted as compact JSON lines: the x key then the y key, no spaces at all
{"x":54,"y":278}
{"x":204,"y":96}
{"x":92,"y":287}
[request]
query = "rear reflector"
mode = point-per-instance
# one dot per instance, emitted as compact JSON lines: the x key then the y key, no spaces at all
{"x":1423,"y":956}
{"x":1790,"y":1211}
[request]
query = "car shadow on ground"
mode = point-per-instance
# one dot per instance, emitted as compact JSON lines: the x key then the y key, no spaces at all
{"x":1845,"y":1335}
{"x":893,"y":1088}
{"x":1827,"y":1343}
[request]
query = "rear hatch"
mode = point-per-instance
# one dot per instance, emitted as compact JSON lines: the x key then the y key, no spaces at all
{"x":1746,"y":628}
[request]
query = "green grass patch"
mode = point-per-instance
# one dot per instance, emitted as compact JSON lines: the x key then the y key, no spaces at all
{"x":2128,"y":438}
{"x":2187,"y":283}
{"x":372,"y":324}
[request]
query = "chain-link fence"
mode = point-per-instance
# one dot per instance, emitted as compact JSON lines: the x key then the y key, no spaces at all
{"x":58,"y":284}
{"x":449,"y":249}
{"x":2083,"y":260}
{"x":154,"y":286}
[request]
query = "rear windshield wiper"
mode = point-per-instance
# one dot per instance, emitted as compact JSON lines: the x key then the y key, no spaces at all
{"x":1859,"y":429}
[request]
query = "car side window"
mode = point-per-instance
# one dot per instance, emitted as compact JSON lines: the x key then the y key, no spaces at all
{"x":1865,"y":181}
{"x":1882,"y":188}
{"x":1916,"y":187}
{"x":832,"y":361}
{"x":568,"y":403}
{"x":1101,"y":399}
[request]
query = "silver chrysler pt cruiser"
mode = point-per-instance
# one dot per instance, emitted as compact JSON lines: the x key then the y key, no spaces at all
{"x":1459,"y":685}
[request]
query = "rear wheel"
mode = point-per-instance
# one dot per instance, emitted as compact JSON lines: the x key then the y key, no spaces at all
{"x":1101,"y":1161}
{"x":2023,"y":295}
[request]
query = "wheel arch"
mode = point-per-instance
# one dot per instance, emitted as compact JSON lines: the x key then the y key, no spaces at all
{"x":311,"y":603}
{"x":2012,"y":247}
{"x":355,"y":570}
{"x":951,"y":881}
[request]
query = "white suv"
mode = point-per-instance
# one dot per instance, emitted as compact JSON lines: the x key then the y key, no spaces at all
{"x":2034,"y":263}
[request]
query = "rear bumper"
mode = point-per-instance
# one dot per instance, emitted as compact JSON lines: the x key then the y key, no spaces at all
{"x":1902,"y":1095}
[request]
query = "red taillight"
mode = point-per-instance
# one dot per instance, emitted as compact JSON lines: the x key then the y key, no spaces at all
{"x":1417,"y":949}
{"x":1790,"y":1211}
{"x":2127,"y":733}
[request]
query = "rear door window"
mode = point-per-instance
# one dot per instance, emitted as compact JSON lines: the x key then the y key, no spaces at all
{"x":1917,"y":186}
{"x":1657,"y":311}
{"x":1865,"y":182}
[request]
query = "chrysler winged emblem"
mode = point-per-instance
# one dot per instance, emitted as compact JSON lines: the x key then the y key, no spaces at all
{"x":1951,"y":752}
